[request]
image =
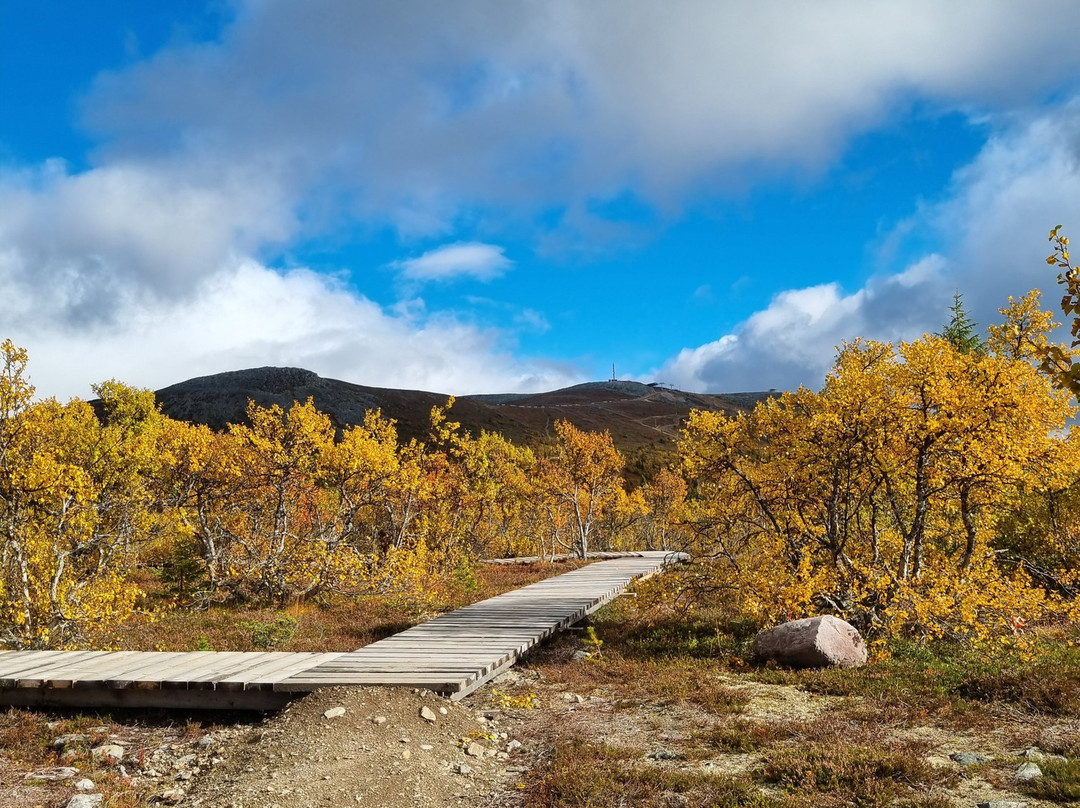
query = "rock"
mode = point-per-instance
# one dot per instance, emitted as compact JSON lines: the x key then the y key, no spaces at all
{"x":109,"y":753}
{"x":664,"y":754}
{"x":443,"y":711}
{"x":1036,"y":754}
{"x":85,"y":784}
{"x":427,"y":714}
{"x":580,"y":656}
{"x":464,"y":768}
{"x":84,"y":801}
{"x":426,"y":747}
{"x":1028,"y":771}
{"x":475,"y":749}
{"x":515,"y":744}
{"x":172,"y":796}
{"x":406,"y":754}
{"x":970,"y":758}
{"x":185,"y":761}
{"x":813,"y":642}
{"x":53,"y":774}
{"x":69,"y":740}
{"x":379,"y":720}
{"x":334,"y":712}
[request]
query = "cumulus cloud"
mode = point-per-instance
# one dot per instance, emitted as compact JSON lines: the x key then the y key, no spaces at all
{"x":993,"y":229}
{"x":415,"y":112}
{"x":461,"y":259}
{"x":248,"y":315}
{"x":303,"y":119}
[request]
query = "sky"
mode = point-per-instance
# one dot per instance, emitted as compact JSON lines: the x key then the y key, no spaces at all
{"x":476,"y":197}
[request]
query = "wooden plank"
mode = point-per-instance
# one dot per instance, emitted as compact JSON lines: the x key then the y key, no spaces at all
{"x":17,"y":668}
{"x":265,"y":675}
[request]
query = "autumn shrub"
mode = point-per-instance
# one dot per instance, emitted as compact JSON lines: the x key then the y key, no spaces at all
{"x":876,"y":498}
{"x":73,"y":507}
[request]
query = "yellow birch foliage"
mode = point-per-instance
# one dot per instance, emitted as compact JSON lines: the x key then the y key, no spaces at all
{"x":877,"y":499}
{"x":72,"y":506}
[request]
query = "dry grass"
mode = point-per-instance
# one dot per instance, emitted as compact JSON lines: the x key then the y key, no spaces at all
{"x":331,"y":624}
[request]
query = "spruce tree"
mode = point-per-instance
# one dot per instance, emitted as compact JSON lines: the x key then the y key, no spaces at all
{"x":961,"y":328}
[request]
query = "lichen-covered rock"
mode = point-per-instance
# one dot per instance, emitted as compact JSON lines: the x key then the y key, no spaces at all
{"x":813,"y":642}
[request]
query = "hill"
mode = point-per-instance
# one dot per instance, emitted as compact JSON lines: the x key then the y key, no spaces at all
{"x":637,"y":415}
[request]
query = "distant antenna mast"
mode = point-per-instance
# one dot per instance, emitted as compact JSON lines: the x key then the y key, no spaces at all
{"x":614,"y":378}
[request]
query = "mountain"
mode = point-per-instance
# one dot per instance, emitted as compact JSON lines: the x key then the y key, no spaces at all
{"x":637,"y":415}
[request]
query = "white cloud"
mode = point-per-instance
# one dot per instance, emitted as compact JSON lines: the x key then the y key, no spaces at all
{"x":417,"y":112}
{"x":461,"y":259}
{"x":247,"y":316}
{"x":993,"y":228}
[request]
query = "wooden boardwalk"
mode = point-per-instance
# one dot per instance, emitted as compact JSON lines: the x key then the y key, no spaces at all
{"x":452,"y":654}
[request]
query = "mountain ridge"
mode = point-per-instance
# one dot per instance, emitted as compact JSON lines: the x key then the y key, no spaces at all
{"x":637,"y":415}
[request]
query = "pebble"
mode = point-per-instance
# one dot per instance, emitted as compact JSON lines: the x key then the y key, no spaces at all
{"x":334,"y":712}
{"x":443,"y":711}
{"x":85,"y":784}
{"x":1028,"y":771}
{"x":475,"y":750}
{"x":68,"y":740}
{"x":84,"y":801}
{"x":379,"y":720}
{"x":109,"y":753}
{"x":464,"y":768}
{"x":970,"y":758}
{"x":427,"y":714}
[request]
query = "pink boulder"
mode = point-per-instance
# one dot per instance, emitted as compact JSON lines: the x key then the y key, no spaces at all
{"x":813,"y":642}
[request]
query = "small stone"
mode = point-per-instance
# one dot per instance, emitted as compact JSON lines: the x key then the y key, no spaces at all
{"x":426,"y":747}
{"x":464,"y":768}
{"x":334,"y":712}
{"x":84,"y":801}
{"x":443,"y":711}
{"x":475,"y":750}
{"x":172,"y":796}
{"x":970,"y":758}
{"x":581,"y":656}
{"x":514,"y":744}
{"x":85,"y":784}
{"x":109,"y":753}
{"x":53,"y":774}
{"x":427,"y":714}
{"x":1028,"y":771}
{"x":664,"y":754}
{"x":379,"y":720}
{"x":185,"y":761}
{"x":406,"y":754}
{"x":206,"y":741}
{"x":69,"y":740}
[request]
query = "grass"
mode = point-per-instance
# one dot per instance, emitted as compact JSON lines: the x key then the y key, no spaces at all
{"x":850,"y":751}
{"x":577,"y":773}
{"x":841,"y":774}
{"x":330,"y":624}
{"x":1060,"y":781}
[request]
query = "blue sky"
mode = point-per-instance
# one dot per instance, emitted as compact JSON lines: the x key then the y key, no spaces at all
{"x":487,"y":196}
